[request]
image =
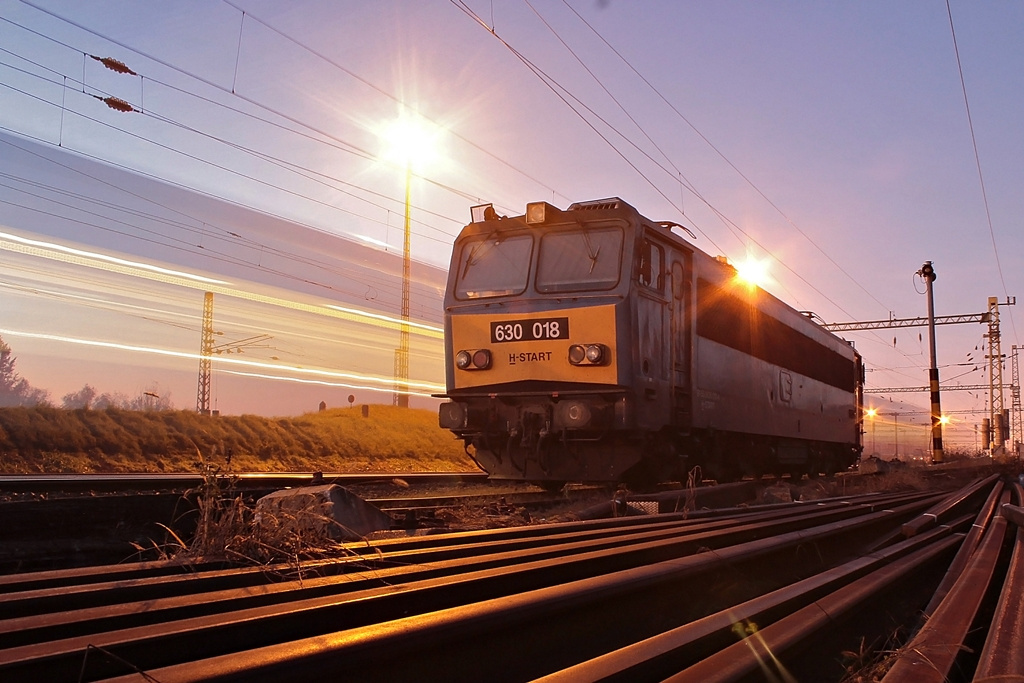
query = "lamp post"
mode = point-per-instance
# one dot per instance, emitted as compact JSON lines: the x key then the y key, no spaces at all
{"x":402,"y":354}
{"x":408,"y":141}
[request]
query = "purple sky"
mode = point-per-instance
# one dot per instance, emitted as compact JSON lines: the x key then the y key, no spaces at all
{"x":830,"y":138}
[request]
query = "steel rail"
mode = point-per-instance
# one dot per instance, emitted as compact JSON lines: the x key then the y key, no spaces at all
{"x":764,"y":650}
{"x":930,"y":656}
{"x":665,"y":654}
{"x":946,"y":507}
{"x":81,"y":578}
{"x":383,"y":651}
{"x":477,"y":550}
{"x":207,"y":636}
{"x":1002,"y":657}
{"x":660,"y":657}
{"x":180,"y":481}
{"x":967,"y":548}
{"x":44,"y":614}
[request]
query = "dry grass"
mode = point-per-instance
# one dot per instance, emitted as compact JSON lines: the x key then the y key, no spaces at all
{"x":389,"y":439}
{"x":229,"y":530}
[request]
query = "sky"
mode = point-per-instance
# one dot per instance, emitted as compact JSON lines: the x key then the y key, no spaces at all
{"x":844,"y":144}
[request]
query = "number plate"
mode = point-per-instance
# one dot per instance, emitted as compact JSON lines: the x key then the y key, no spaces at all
{"x":529,"y":330}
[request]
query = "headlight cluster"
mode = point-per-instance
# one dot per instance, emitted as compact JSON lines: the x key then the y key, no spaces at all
{"x":479,"y":359}
{"x":588,"y":354}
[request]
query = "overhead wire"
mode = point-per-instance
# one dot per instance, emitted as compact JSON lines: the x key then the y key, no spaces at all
{"x":382,"y":282}
{"x":265,"y":157}
{"x":724,"y":158}
{"x":548,"y":80}
{"x":558,"y":89}
{"x":977,"y":161}
{"x":265,"y":106}
{"x":703,"y":137}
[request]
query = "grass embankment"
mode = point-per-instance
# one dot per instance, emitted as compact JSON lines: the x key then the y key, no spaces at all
{"x":388,"y":439}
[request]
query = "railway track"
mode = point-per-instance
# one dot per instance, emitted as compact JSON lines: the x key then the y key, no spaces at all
{"x":56,"y":521}
{"x":634,"y":598}
{"x":52,"y":484}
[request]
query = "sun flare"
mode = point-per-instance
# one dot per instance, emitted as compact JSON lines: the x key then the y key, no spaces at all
{"x":753,"y":272}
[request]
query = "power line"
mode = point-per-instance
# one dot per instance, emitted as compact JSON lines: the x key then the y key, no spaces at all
{"x":977,"y":160}
{"x":559,"y":89}
{"x":265,"y":157}
{"x":724,"y":158}
{"x":383,"y":282}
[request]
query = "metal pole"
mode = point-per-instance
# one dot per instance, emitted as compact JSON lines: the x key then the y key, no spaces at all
{"x":928,"y":273}
{"x":874,"y":423}
{"x":205,"y":356}
{"x":402,"y":374}
{"x":896,"y":436}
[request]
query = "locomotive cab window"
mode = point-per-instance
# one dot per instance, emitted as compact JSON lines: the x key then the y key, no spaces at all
{"x":494,"y":266}
{"x":586,"y":259}
{"x":652,"y":265}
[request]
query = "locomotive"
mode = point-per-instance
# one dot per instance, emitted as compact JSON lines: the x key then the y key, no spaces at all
{"x":595,"y":345}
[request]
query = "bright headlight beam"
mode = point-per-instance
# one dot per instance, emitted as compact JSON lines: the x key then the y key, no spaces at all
{"x":321,"y":382}
{"x":385,"y":381}
{"x":23,"y":245}
{"x":58,"y":252}
{"x":387,"y":318}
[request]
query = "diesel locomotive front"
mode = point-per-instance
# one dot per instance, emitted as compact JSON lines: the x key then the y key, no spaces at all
{"x":595,"y":345}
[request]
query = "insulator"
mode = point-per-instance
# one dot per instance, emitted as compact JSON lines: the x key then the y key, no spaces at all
{"x":118,"y":104}
{"x":114,"y":65}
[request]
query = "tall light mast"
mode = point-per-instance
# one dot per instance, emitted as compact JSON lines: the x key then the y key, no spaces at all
{"x":928,"y":273}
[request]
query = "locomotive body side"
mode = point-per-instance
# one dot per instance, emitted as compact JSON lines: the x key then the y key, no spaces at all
{"x":594,"y":345}
{"x":773,"y":391}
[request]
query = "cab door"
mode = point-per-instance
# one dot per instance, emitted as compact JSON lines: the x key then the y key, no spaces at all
{"x":654,"y":347}
{"x":681,"y":276}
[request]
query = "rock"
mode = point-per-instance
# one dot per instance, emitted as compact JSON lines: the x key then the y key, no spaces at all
{"x":325,"y":511}
{"x":779,"y":493}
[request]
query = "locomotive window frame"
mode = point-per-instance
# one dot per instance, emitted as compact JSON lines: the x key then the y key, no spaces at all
{"x":561,"y":269}
{"x":491,"y":269}
{"x":651,"y":267}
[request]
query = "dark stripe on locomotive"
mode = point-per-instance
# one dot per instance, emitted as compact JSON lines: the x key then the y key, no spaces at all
{"x":729,"y":320}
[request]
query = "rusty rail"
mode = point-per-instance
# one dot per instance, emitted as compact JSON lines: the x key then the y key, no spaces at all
{"x":1002,"y":658}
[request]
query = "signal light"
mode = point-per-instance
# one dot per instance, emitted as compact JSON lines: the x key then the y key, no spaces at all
{"x":479,"y":359}
{"x":588,"y":354}
{"x":482,"y":359}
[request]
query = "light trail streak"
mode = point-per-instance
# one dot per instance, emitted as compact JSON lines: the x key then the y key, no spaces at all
{"x":79,"y":257}
{"x":57,"y":252}
{"x":97,"y":302}
{"x":422,"y":326}
{"x":321,"y":382}
{"x":387,"y":382}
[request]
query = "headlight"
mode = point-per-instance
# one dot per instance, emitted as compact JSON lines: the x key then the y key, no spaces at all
{"x":452,"y":415}
{"x":572,"y":415}
{"x":477,"y":359}
{"x":588,"y":354}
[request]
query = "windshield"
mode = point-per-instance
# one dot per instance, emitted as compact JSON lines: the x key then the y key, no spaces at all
{"x":496,"y":265}
{"x":577,"y":260}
